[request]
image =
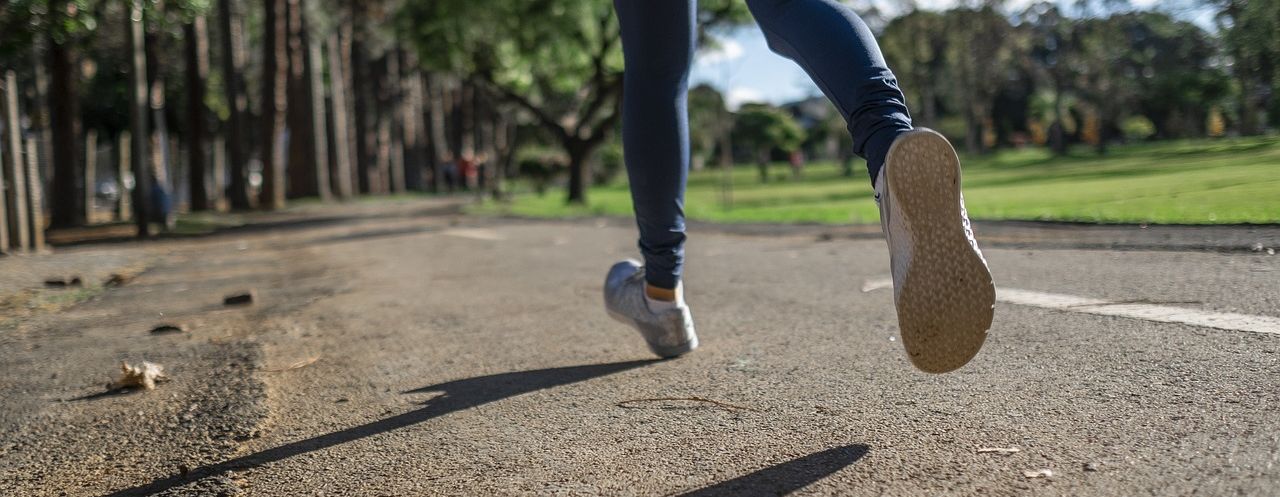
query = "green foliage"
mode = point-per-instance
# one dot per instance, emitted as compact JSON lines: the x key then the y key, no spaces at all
{"x":763,"y":128}
{"x":708,"y":118}
{"x":611,"y":163}
{"x":1137,"y":128}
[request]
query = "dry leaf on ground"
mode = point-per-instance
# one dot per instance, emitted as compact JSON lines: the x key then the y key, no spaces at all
{"x":145,"y":375}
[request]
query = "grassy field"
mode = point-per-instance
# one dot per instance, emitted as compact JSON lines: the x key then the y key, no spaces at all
{"x":1195,"y":182}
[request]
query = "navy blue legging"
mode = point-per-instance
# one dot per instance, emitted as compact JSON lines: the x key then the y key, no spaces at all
{"x":827,"y":39}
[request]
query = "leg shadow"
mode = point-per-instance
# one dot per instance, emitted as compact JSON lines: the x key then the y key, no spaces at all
{"x":457,"y":395}
{"x":787,"y":477}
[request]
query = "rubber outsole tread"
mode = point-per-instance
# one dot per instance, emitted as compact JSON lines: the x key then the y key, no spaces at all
{"x":946,"y":303}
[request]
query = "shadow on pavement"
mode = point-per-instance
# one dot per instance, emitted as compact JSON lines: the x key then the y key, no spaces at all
{"x":787,"y":477}
{"x":458,"y":395}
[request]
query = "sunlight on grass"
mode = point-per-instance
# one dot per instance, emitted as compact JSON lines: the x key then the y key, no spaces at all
{"x":1193,"y":182}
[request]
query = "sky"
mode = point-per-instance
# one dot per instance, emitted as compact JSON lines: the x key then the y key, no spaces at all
{"x":744,"y":69}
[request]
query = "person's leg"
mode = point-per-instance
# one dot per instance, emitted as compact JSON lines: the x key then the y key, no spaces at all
{"x":840,"y":54}
{"x":942,"y":288}
{"x":657,"y":43}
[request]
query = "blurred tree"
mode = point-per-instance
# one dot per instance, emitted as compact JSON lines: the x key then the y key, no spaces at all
{"x":763,"y":128}
{"x":64,"y":22}
{"x":275,"y":74}
{"x":708,"y":119}
{"x":979,"y":54}
{"x":915,"y":46}
{"x":1249,"y":31}
{"x":558,"y":60}
{"x":233,"y":59}
{"x":195,"y":31}
{"x":1049,"y":41}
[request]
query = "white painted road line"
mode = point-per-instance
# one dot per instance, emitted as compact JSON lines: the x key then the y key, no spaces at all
{"x":1147,"y":312}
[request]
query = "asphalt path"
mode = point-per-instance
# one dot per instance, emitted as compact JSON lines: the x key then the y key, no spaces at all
{"x":408,"y":350}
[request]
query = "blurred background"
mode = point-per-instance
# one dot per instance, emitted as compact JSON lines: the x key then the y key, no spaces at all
{"x":145,"y":115}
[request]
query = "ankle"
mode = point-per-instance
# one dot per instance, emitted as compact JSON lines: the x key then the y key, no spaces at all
{"x":659,"y":294}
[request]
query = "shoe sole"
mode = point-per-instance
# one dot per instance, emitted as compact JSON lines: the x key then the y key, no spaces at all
{"x":661,"y":351}
{"x":947,"y":299}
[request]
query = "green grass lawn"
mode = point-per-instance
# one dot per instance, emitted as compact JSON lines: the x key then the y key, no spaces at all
{"x":1196,"y":182}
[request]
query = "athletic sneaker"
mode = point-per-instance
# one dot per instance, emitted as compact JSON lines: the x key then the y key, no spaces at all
{"x":669,"y":332}
{"x":941,"y":285}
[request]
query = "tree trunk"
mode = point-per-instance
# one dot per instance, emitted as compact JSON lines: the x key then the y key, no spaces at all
{"x":929,"y":104}
{"x":237,"y":101}
{"x":35,"y":198}
{"x":366,"y":132}
{"x":160,"y":157}
{"x":90,"y":172}
{"x":302,"y":140}
{"x":973,"y":130}
{"x":197,"y":136}
{"x":219,"y":177}
{"x":64,"y":119}
{"x":439,"y":139}
{"x":13,"y":205}
{"x":396,"y":118}
{"x":412,"y":125}
{"x":579,"y":174}
{"x":341,"y":125}
{"x":504,"y":152}
{"x":319,"y":125}
{"x":1101,"y":147}
{"x":138,"y":118}
{"x":1057,"y":136}
{"x":124,"y":160}
{"x":275,"y":65}
{"x":762,"y":164}
{"x":1249,"y":115}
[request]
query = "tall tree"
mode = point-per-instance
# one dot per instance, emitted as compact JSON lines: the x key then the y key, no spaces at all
{"x":708,"y":118}
{"x":979,"y":52}
{"x":197,"y":52}
{"x":275,"y":66}
{"x":342,"y":154}
{"x":138,"y":149}
{"x":302,"y":163}
{"x":1049,"y":48}
{"x":64,"y":115}
{"x":237,"y":103}
{"x":763,"y":128}
{"x":558,"y":60}
{"x":1249,"y":29}
{"x":915,"y":45}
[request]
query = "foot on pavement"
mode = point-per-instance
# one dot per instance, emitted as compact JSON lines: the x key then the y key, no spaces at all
{"x":669,"y":332}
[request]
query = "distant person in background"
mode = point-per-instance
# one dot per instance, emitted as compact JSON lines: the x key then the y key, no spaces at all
{"x":450,"y":174}
{"x":467,"y":172}
{"x":796,"y":159}
{"x":942,"y":287}
{"x":162,"y":206}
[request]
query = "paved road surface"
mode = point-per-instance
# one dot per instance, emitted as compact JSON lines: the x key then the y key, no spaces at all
{"x":397,"y":349}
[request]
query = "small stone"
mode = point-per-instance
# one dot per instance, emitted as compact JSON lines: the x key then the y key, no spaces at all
{"x":61,"y":282}
{"x":243,"y":298}
{"x":117,"y":279}
{"x":1092,"y":466}
{"x":1043,"y":473}
{"x":166,"y":328}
